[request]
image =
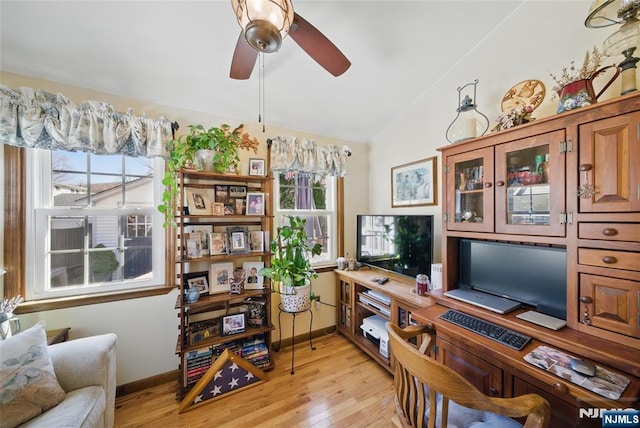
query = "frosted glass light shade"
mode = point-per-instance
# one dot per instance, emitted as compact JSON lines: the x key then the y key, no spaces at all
{"x":264,"y":22}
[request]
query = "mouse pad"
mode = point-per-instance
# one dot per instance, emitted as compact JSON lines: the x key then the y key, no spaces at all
{"x":605,"y":382}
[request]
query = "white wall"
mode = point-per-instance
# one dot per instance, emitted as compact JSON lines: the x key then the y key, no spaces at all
{"x":147,"y":327}
{"x":538,"y":38}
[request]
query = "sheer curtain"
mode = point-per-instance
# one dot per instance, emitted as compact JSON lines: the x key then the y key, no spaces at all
{"x":39,"y":119}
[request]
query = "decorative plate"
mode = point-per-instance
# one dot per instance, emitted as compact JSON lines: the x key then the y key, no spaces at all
{"x":528,"y":92}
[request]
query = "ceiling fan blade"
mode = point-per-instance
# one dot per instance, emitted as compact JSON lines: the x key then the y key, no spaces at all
{"x":318,"y":46}
{"x":244,"y":59}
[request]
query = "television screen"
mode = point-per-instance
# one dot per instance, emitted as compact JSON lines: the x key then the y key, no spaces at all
{"x":533,"y":275}
{"x":398,"y":243}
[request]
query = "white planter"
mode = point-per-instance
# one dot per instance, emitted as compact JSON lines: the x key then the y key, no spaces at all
{"x":295,"y":299}
{"x":204,"y":159}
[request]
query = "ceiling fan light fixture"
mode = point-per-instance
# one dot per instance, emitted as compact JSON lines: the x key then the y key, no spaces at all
{"x":264,"y":22}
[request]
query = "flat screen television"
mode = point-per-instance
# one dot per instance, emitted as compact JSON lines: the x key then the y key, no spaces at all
{"x":397,"y":243}
{"x":532,"y":275}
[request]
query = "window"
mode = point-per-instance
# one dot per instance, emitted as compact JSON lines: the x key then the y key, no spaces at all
{"x":90,"y":224}
{"x":314,"y":199}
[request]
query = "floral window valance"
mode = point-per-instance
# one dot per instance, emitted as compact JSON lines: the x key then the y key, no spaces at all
{"x":39,"y":119}
{"x":302,"y":155}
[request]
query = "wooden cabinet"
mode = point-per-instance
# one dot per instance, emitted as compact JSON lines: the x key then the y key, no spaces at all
{"x":609,"y":162}
{"x":359,"y":297}
{"x":570,"y":181}
{"x":231,"y":247}
{"x":516,"y":187}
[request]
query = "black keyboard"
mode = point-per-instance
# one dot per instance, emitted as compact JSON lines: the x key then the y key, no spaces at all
{"x":487,"y":329}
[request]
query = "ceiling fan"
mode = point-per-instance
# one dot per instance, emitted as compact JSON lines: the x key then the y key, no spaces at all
{"x":265,"y":23}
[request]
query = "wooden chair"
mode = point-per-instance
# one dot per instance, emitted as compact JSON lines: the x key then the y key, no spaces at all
{"x":426,"y":387}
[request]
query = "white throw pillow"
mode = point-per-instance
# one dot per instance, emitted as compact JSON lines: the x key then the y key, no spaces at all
{"x":28,"y":383}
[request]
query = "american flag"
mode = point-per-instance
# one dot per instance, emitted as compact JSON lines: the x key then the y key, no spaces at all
{"x":230,"y":378}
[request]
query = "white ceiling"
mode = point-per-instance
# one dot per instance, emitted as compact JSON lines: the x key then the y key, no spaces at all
{"x":178,"y":53}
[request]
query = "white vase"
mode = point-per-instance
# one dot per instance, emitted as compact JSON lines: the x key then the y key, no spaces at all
{"x":295,"y":299}
{"x":204,"y":159}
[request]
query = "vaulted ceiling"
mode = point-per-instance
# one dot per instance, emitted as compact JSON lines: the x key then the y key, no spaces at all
{"x":178,"y":53}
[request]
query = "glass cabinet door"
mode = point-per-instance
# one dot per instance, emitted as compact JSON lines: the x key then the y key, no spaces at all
{"x":470,"y":191}
{"x":530,"y":186}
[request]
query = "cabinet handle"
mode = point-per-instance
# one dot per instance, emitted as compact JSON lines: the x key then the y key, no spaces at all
{"x":585,"y":167}
{"x":609,"y":260}
{"x":559,"y":387}
{"x":586,"y":299}
{"x":500,"y":183}
{"x":487,"y":185}
{"x":494,"y":392}
{"x":609,"y":232}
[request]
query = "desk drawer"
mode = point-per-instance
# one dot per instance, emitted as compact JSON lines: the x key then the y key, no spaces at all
{"x":610,"y":231}
{"x":610,"y":259}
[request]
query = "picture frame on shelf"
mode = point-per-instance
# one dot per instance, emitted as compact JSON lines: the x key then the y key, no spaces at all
{"x":217,"y":243}
{"x":217,"y":208}
{"x":236,"y":192}
{"x":257,"y":167}
{"x":199,"y":279}
{"x":256,"y":241}
{"x":241,"y":206}
{"x":238,"y":240}
{"x":255,"y":203}
{"x":220,"y":275}
{"x":203,"y":232}
{"x":193,"y":248}
{"x":234,"y":324}
{"x":198,"y":201}
{"x":252,"y":280}
{"x":229,"y":209}
{"x":415,"y":183}
{"x":220,"y":192}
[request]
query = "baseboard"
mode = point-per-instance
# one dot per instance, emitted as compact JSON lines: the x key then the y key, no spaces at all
{"x":149,"y":382}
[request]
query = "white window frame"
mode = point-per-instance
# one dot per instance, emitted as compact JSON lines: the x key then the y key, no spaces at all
{"x":38,"y":209}
{"x":330,"y":212}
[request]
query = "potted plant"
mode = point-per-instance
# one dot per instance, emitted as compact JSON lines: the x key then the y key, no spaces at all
{"x":223,"y":144}
{"x":290,"y":264}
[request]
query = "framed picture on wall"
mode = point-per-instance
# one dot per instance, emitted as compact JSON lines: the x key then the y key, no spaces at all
{"x":415,"y":183}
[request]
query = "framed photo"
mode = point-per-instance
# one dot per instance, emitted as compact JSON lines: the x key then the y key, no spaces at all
{"x":201,"y":231}
{"x":255,"y":203}
{"x":237,"y":192}
{"x":252,"y":280}
{"x":238,"y":240}
{"x":221,"y":193}
{"x":217,"y":208}
{"x":199,"y":279}
{"x":217,"y":243}
{"x":415,"y":183}
{"x":241,"y":206}
{"x":198,"y":202}
{"x":193,"y":247}
{"x":234,"y":324}
{"x":221,"y":275}
{"x":256,"y":241}
{"x":257,"y":167}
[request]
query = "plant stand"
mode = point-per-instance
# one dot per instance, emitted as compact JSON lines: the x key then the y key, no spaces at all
{"x":293,"y":331}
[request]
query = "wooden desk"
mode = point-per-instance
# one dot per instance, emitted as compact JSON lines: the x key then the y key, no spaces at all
{"x":500,"y":371}
{"x":58,"y":336}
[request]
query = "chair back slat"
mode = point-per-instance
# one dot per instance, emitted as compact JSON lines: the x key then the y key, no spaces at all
{"x":416,"y":373}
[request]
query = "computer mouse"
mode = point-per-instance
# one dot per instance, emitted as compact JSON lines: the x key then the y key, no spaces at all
{"x":583,"y":367}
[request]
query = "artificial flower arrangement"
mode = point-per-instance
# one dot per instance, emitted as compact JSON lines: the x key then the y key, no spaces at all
{"x":581,"y":98}
{"x":516,"y":116}
{"x":7,"y":306}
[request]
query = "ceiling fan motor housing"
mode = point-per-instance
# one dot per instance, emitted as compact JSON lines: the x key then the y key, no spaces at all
{"x":263,"y":36}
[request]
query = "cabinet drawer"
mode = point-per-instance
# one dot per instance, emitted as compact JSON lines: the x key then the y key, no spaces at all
{"x":609,"y":259}
{"x":610,"y":231}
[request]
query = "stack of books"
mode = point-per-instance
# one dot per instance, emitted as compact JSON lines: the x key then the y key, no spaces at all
{"x":256,"y":352}
{"x":196,"y":363}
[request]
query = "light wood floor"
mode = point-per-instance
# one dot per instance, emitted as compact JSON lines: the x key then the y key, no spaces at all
{"x":337,"y":385}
